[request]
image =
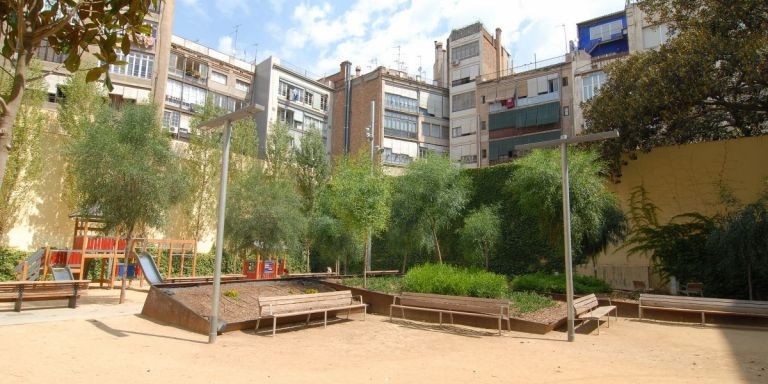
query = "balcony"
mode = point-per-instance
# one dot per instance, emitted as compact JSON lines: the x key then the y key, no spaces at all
{"x":190,"y":76}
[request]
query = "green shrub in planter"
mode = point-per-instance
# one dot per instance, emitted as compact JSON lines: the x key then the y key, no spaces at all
{"x":9,"y":259}
{"x":444,"y":279}
{"x":545,"y":283}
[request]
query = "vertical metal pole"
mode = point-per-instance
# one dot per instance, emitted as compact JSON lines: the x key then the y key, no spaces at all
{"x":220,"y":232}
{"x":567,"y":238}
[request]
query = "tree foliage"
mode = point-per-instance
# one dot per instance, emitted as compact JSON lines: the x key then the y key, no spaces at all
{"x":481,"y":232}
{"x":312,"y":173}
{"x":709,"y":82}
{"x":25,"y":163}
{"x":280,"y":154}
{"x":536,"y":189}
{"x":70,"y":28}
{"x":435,"y":192}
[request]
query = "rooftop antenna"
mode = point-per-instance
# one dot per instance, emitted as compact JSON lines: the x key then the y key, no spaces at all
{"x":399,"y":62}
{"x":255,"y":53}
{"x":234,"y":44}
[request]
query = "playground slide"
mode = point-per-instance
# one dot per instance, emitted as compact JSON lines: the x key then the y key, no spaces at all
{"x":149,"y":268}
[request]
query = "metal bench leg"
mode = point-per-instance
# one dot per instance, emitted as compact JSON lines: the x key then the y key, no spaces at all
{"x":703,"y":320}
{"x":499,"y":325}
{"x":348,"y":313}
{"x":598,"y":326}
{"x":402,"y":311}
{"x":274,"y":326}
{"x":509,"y":325}
{"x":325,"y":319}
{"x":441,"y":317}
{"x":308,"y":315}
{"x":73,"y":299}
{"x":451,"y":318}
{"x":258,"y":321}
{"x":390,"y":313}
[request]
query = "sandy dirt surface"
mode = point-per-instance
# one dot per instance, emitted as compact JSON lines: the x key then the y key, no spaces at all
{"x":131,"y":349}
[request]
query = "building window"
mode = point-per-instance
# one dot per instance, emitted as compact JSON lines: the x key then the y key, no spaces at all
{"x":456,"y":131}
{"x":483,"y":99}
{"x":219,"y":77}
{"x":465,"y":51}
{"x":605,"y":31}
{"x":401,"y":103}
{"x":390,"y":157}
{"x":655,"y":36}
{"x":324,"y":102}
{"x":591,"y":84}
{"x":139,"y":65}
{"x":171,"y":120}
{"x":469,"y":159}
{"x":566,"y":111}
{"x":485,"y":153}
{"x":434,"y":130}
{"x":308,"y":98}
{"x":192,"y":96}
{"x":482,"y":125}
{"x":552,"y":85}
{"x":565,"y":81}
{"x":400,"y":125}
{"x":463,"y":101}
{"x":46,"y":53}
{"x":242,"y":85}
{"x":282,"y":89}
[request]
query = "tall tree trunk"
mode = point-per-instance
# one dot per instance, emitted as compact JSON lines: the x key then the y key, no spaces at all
{"x":437,"y":245}
{"x":128,"y":254}
{"x":405,"y":261}
{"x":10,"y":108}
{"x":307,"y":248}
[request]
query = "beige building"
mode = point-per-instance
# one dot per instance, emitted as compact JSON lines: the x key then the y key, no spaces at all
{"x":197,"y":73}
{"x":521,"y":108}
{"x":472,"y":52}
{"x":411,"y":116}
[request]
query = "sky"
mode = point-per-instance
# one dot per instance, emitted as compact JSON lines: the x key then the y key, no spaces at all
{"x":316,"y":36}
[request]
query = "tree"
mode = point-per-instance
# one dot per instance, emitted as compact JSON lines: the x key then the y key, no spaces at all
{"x":481,"y":231}
{"x":536,"y":189}
{"x":25,"y":163}
{"x":434,"y":189}
{"x":360,"y":197}
{"x":202,"y":164}
{"x":709,"y":82}
{"x":406,"y":234}
{"x":263,"y":214}
{"x":124,"y":167}
{"x":312,"y":173}
{"x":279,"y":151}
{"x":71,"y":28}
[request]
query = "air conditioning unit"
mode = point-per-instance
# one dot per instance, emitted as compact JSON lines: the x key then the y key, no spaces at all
{"x":173,"y":129}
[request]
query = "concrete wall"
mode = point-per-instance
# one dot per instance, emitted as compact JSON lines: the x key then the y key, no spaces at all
{"x":682,"y":179}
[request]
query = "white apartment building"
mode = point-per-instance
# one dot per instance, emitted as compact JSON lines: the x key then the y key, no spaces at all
{"x":293,"y":98}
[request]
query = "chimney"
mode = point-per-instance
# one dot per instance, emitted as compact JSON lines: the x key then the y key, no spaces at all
{"x":439,"y":67}
{"x":497,"y":43}
{"x":357,"y":71}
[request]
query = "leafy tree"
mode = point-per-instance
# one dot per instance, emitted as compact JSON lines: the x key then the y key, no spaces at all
{"x":435,"y":191}
{"x":244,"y":150}
{"x":263,"y":214}
{"x":280,"y":152}
{"x":709,"y":82}
{"x":123,"y":166}
{"x":203,"y":159}
{"x":536,"y":189}
{"x":71,"y":28}
{"x":25,"y":163}
{"x":312,"y":173}
{"x":406,"y":235}
{"x":481,"y":231}
{"x":360,"y":197}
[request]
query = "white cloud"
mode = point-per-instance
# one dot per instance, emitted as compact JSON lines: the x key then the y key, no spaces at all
{"x":369,"y":30}
{"x":230,"y":7}
{"x":225,"y":45}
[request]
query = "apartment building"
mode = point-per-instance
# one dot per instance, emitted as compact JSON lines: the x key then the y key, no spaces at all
{"x":471,"y":52}
{"x":293,"y":97}
{"x":133,"y":82}
{"x":642,"y":33}
{"x":411,"y":116}
{"x":197,"y":73}
{"x":525,"y":107}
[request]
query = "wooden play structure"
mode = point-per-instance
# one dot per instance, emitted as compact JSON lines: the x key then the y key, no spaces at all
{"x":264,"y":269}
{"x":90,"y":244}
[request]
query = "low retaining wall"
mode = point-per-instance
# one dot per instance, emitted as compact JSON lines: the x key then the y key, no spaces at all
{"x":379,"y":303}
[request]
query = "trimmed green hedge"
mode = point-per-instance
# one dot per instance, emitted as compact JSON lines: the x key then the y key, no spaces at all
{"x":545,"y":283}
{"x":445,"y":279}
{"x":9,"y":259}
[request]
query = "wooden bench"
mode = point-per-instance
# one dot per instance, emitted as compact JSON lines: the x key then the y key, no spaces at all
{"x":459,"y":305}
{"x":275,"y":307}
{"x":20,"y":291}
{"x":588,"y":308}
{"x":703,"y":305}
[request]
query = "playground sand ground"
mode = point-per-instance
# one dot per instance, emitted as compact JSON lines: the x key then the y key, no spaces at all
{"x":96,"y":343}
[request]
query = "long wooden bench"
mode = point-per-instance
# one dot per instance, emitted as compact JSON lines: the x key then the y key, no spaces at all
{"x":275,"y":307}
{"x":588,"y":308}
{"x":459,"y":305}
{"x":703,"y":305}
{"x":20,"y":291}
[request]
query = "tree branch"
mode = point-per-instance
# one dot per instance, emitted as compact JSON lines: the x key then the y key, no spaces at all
{"x":3,"y":106}
{"x":51,"y":29}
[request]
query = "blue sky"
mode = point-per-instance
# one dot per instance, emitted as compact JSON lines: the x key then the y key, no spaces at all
{"x":318,"y":35}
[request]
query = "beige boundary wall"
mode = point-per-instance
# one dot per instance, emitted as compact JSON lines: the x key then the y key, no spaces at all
{"x":682,"y":179}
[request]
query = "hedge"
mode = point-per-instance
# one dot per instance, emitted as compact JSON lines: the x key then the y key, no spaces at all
{"x":445,"y":279}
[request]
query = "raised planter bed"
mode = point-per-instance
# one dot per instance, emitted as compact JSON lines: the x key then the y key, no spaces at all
{"x":379,"y":303}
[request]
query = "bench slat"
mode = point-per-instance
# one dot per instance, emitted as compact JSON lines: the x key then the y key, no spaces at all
{"x":704,"y":304}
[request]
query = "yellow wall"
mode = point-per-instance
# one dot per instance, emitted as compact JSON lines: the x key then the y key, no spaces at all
{"x":682,"y":179}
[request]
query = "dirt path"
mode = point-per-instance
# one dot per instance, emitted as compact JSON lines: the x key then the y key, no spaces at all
{"x":376,"y":351}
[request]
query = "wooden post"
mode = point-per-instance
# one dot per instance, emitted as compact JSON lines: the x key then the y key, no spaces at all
{"x":258,"y":266}
{"x":83,"y":246}
{"x":170,"y":258}
{"x":114,"y":258}
{"x":181,"y":262}
{"x":194,"y":258}
{"x":46,"y":261}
